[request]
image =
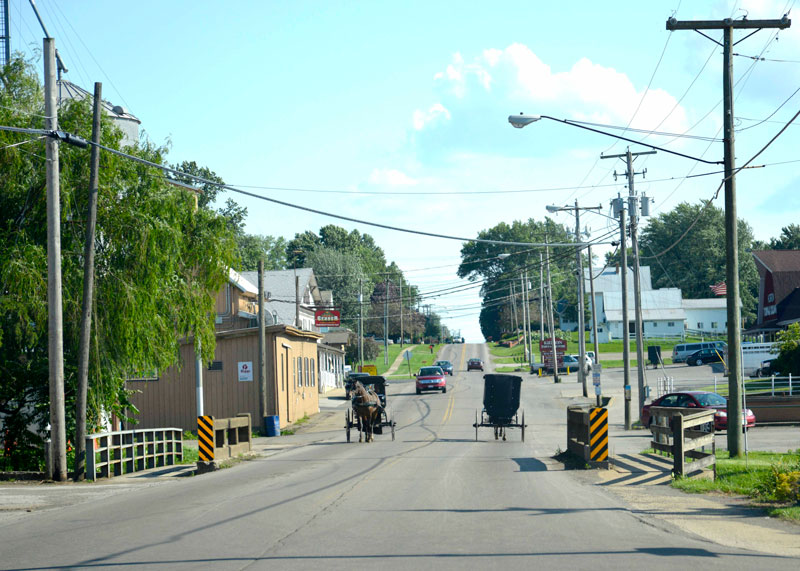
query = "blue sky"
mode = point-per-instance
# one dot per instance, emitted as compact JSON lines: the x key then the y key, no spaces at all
{"x":402,"y":108}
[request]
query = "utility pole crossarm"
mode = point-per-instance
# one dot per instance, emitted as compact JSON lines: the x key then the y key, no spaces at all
{"x":673,"y":24}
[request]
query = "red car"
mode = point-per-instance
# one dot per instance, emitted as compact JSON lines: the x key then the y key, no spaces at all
{"x":475,"y":364}
{"x":700,"y":400}
{"x":431,"y":379}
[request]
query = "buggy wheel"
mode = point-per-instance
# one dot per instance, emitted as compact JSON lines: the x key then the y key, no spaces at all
{"x":444,"y":390}
{"x":392,"y":424}
{"x":476,"y":425}
{"x":523,"y":426}
{"x":347,"y":425}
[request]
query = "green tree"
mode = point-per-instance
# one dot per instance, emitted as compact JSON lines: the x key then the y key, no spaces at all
{"x":788,"y":240}
{"x":480,"y":261}
{"x":788,"y":359}
{"x":253,"y":248}
{"x":339,"y":272}
{"x":159,"y":263}
{"x":696,"y":261}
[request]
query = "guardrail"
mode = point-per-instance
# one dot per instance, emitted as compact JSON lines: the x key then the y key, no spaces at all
{"x":772,"y":386}
{"x":679,"y":425}
{"x":112,"y":454}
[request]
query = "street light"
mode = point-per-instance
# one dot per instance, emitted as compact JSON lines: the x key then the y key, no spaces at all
{"x":520,"y":121}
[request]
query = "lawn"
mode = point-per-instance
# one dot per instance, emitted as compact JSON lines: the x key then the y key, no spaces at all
{"x":420,"y":356}
{"x":768,"y":477}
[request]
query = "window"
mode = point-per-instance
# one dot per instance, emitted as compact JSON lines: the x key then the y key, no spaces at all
{"x":700,"y":325}
{"x":294,"y":376}
{"x":215,"y":366}
{"x":670,"y":324}
{"x":313,"y":374}
{"x":655,"y":324}
{"x":308,"y":376}
{"x":714,"y":325}
{"x":299,"y":371}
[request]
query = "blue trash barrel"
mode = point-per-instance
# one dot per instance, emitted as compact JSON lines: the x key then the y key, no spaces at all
{"x":273,"y":426}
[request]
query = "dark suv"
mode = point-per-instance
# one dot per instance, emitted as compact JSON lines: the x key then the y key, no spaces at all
{"x":446,"y":366}
{"x":704,"y":356}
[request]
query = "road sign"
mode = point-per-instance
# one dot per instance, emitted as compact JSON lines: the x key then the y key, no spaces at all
{"x":596,"y":370}
{"x":371,"y":369}
{"x":407,"y":355}
{"x":546,"y":349}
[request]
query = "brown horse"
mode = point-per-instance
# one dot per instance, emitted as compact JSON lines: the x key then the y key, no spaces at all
{"x":367,"y":407}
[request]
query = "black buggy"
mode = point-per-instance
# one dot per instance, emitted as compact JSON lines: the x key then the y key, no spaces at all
{"x":377,"y":384}
{"x":500,"y":404}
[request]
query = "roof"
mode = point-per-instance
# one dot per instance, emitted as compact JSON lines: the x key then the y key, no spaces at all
{"x":610,"y":279}
{"x":778,"y":260}
{"x":69,"y":90}
{"x":279,"y":290}
{"x":789,"y":308}
{"x":240,"y":282}
{"x":706,"y":303}
{"x":336,"y":337}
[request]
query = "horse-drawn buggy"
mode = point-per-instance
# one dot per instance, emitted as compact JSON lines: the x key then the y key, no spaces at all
{"x":368,"y":412}
{"x":500,"y":405}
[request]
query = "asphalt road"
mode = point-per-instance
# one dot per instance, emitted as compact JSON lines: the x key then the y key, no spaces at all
{"x":434,"y":497}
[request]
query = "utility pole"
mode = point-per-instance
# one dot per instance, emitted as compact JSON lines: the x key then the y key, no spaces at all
{"x":541,"y":299}
{"x":402,"y":333}
{"x":88,"y":292}
{"x":594,"y":309}
{"x":735,"y":439}
{"x":262,"y":347}
{"x":619,"y":207}
{"x":550,"y":314}
{"x":58,"y":434}
{"x":361,"y":323}
{"x":628,"y":157}
{"x":581,"y":326}
{"x":386,"y":320}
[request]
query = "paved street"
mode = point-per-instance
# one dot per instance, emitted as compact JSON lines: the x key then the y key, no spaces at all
{"x":434,"y":497}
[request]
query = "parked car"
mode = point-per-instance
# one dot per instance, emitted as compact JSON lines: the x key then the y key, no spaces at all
{"x":588,"y":361}
{"x":767,"y":368}
{"x":700,"y":400}
{"x":446,"y":366}
{"x":704,"y":356}
{"x":475,"y":364}
{"x":683,"y":350}
{"x":431,"y":379}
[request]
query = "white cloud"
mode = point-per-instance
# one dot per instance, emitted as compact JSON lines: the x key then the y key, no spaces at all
{"x":436,"y":112}
{"x":391,"y":177}
{"x":586,"y":91}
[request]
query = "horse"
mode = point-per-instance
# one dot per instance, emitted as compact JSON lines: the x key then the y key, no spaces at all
{"x":367,"y":406}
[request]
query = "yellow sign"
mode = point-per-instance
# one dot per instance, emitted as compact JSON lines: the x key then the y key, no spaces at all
{"x":371,"y":369}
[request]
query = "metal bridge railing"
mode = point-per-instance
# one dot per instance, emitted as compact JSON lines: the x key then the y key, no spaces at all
{"x":112,"y":454}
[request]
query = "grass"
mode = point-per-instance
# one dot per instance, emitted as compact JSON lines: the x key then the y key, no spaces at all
{"x":421,"y":356}
{"x":190,"y":456}
{"x":754,"y":477}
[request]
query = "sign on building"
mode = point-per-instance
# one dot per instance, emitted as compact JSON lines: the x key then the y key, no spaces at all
{"x":327,"y":318}
{"x":245,"y":370}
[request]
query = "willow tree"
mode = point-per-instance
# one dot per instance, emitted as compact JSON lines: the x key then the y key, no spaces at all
{"x":159,"y":263}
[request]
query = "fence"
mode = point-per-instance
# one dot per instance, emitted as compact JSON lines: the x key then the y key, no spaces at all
{"x":771,"y":386}
{"x":680,"y":425}
{"x":112,"y":454}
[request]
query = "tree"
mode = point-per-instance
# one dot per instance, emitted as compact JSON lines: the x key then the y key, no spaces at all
{"x":339,"y":272}
{"x":481,"y":261}
{"x":697,"y":260}
{"x":788,"y":240}
{"x":788,"y":359}
{"x":253,"y":248}
{"x":159,"y":262}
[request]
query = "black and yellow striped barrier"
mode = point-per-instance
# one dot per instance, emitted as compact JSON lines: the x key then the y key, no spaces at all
{"x":598,"y":435}
{"x":205,"y":438}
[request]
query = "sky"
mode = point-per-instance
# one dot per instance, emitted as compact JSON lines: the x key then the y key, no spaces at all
{"x":397,"y":112}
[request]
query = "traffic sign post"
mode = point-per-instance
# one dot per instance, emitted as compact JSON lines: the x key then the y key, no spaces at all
{"x":546,"y":350}
{"x":596,"y":373}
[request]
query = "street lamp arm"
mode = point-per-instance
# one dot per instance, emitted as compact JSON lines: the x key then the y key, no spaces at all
{"x":520,"y":121}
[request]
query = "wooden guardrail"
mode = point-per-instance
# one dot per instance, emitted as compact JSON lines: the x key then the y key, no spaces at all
{"x":110,"y":454}
{"x":680,"y":425}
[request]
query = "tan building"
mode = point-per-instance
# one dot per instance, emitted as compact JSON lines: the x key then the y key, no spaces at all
{"x":231,"y":381}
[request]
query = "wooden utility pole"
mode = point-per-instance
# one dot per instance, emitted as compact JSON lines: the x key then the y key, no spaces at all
{"x":594,"y":308}
{"x":629,"y":157}
{"x":626,"y":343}
{"x":581,"y":326}
{"x":360,"y":322}
{"x":541,"y":300}
{"x":88,"y":292}
{"x":727,"y":26}
{"x":402,"y":333}
{"x":262,"y":347}
{"x":550,"y":314}
{"x":55,"y":353}
{"x":386,"y":320}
